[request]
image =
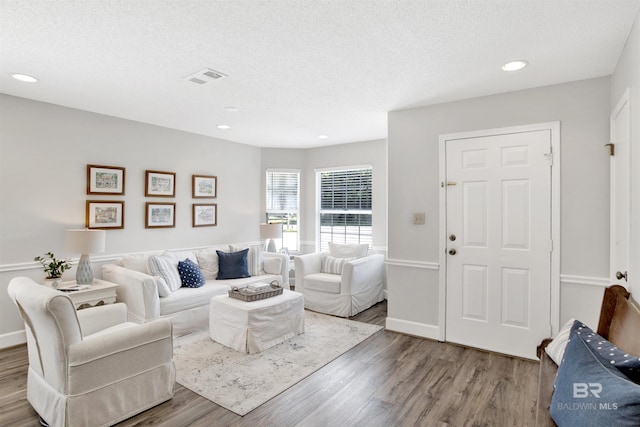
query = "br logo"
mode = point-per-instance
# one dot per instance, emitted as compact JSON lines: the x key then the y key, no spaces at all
{"x":582,"y":390}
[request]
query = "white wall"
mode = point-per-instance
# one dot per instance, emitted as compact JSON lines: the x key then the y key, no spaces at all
{"x":627,"y":75}
{"x":372,"y":153}
{"x":44,"y":150}
{"x":583,"y":109}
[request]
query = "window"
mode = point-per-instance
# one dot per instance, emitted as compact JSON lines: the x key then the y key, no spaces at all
{"x":345,"y":206}
{"x":283,"y":188}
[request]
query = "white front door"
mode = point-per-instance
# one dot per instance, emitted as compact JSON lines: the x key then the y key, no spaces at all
{"x":498,"y":231}
{"x":620,"y":187}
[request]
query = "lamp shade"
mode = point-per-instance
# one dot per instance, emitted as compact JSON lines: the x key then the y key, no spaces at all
{"x":270,"y":231}
{"x":85,"y":241}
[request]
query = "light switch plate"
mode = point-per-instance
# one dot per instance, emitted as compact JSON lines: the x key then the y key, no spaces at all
{"x":418,"y":218}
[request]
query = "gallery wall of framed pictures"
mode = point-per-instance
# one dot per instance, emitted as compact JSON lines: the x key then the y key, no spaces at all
{"x":110,"y":214}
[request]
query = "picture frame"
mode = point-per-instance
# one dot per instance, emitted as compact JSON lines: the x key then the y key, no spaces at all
{"x":204,"y":186}
{"x":104,"y":214}
{"x":159,"y":184}
{"x":160,"y":215}
{"x":108,"y":180}
{"x":204,"y":215}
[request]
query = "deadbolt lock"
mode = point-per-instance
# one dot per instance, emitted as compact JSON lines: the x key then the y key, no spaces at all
{"x":452,"y":237}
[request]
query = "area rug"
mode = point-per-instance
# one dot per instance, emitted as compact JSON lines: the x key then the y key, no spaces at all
{"x":241,"y":382}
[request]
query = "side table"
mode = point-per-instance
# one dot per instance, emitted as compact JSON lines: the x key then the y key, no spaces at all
{"x":99,"y":293}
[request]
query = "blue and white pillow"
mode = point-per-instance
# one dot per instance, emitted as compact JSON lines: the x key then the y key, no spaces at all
{"x":190,"y":274}
{"x":590,"y":391}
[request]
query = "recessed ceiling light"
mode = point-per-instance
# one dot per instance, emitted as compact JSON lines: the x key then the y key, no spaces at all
{"x":323,"y":136}
{"x":223,"y":127}
{"x":515,"y":65}
{"x":24,"y":78}
{"x":231,"y":109}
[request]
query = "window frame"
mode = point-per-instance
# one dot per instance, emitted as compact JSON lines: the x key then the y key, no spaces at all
{"x":284,"y":211}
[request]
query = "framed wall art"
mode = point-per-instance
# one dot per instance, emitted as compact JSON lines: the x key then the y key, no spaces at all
{"x":104,"y":215}
{"x":160,"y":215}
{"x":160,"y":184}
{"x":105,"y":180}
{"x":204,"y":186}
{"x":205,"y":215}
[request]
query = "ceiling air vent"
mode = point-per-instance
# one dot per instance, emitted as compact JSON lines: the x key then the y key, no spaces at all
{"x":205,"y":76}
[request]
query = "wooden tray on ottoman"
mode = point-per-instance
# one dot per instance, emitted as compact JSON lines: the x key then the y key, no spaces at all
{"x":243,"y":294}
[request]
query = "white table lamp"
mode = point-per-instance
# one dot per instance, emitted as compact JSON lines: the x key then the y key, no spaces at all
{"x":85,"y":242}
{"x":268,"y":232}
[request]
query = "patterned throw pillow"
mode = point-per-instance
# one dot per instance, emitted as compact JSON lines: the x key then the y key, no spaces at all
{"x":555,"y":349}
{"x":333,"y":265}
{"x":254,"y":257}
{"x":190,"y":274}
{"x":232,"y":265}
{"x":626,"y":363}
{"x":166,"y":268}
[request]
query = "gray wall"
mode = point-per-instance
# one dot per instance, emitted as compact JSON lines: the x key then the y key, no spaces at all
{"x":583,"y":109}
{"x":627,"y":75}
{"x":44,"y":150}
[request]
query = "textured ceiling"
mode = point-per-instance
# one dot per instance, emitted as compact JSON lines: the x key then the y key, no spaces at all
{"x":298,"y":68}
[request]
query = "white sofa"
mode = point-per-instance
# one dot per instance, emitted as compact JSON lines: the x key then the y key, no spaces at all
{"x":146,"y":296}
{"x":343,"y":282}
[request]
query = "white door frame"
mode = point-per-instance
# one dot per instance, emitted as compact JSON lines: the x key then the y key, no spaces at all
{"x":554,"y":128}
{"x":615,"y":187}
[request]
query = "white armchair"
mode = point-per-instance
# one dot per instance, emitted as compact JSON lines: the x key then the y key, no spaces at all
{"x":358,"y":287}
{"x":91,"y":367}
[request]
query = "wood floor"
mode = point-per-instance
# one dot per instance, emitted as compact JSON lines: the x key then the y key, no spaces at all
{"x":388,"y":380}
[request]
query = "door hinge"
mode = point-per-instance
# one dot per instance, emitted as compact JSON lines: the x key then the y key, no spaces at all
{"x":550,"y":245}
{"x":612,"y":148}
{"x":549,"y":157}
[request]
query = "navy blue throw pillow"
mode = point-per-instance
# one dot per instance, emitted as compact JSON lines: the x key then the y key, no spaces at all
{"x":628,"y":364}
{"x":232,"y":265}
{"x":190,"y":274}
{"x":590,"y":391}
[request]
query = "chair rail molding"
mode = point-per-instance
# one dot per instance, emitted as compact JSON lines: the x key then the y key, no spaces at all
{"x":425,"y":265}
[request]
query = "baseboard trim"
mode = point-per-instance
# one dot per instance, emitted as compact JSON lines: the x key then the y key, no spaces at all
{"x":413,"y":328}
{"x":11,"y":339}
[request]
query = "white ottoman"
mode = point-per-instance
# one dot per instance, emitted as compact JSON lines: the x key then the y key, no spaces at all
{"x":251,"y":327}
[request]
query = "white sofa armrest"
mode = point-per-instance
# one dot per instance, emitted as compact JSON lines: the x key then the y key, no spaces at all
{"x":307,"y":264}
{"x":284,"y":266}
{"x":96,"y":319}
{"x":362,"y":274}
{"x":137,"y":290}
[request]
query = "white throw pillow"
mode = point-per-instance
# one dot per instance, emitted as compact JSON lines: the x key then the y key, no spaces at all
{"x":167,"y":268}
{"x":161,"y":285}
{"x":136,"y":262}
{"x":208,"y":260}
{"x":555,"y":349}
{"x":181,"y":256}
{"x":339,"y":250}
{"x":272,"y":265}
{"x":254,"y":257}
{"x":333,"y":265}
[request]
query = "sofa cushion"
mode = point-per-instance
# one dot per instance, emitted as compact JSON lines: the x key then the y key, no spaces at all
{"x":272,"y":265}
{"x":232,"y":265}
{"x":589,"y":390}
{"x":339,"y":250}
{"x":188,"y":298}
{"x":190,"y":274}
{"x":254,"y":257}
{"x":208,"y":260}
{"x":333,"y":265}
{"x":137,"y":262}
{"x":167,"y":269}
{"x":323,"y":282}
{"x":178,"y":256}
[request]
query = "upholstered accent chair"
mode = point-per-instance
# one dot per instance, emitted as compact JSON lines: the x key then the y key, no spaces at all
{"x":91,"y":367}
{"x":342,"y":282}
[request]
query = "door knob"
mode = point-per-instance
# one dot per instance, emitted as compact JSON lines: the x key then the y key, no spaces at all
{"x":620,"y":275}
{"x":452,"y":251}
